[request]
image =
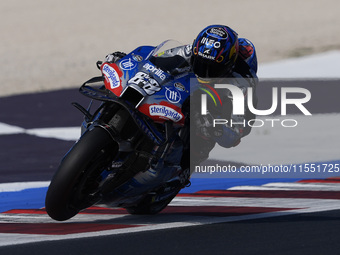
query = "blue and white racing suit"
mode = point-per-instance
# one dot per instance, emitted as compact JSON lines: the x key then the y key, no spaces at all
{"x":243,"y":76}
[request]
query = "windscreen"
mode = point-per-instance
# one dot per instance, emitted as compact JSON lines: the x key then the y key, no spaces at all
{"x":170,"y":56}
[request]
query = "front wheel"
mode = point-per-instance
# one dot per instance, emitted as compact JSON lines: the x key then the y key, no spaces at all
{"x":79,"y":175}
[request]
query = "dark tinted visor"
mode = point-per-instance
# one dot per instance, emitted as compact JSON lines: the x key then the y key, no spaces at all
{"x":208,"y":69}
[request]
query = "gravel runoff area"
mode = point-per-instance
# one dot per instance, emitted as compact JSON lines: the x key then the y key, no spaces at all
{"x":47,"y":44}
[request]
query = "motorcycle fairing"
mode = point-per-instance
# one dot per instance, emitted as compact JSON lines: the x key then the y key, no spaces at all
{"x":154,"y":92}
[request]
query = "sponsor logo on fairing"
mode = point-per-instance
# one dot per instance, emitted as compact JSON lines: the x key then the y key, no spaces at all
{"x":179,"y":86}
{"x":166,"y":112}
{"x":158,"y":72}
{"x":173,"y":96}
{"x":136,"y":57}
{"x":128,"y":64}
{"x":111,"y":75}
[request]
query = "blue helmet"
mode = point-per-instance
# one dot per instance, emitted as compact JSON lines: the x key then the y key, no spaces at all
{"x":214,"y":51}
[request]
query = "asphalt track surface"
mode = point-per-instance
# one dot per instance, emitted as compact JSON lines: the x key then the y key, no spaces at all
{"x":315,"y":233}
{"x":299,"y":232}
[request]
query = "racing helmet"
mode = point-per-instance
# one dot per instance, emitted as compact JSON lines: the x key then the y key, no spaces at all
{"x":214,"y":51}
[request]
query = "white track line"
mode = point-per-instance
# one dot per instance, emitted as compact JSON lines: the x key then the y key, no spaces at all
{"x":292,"y":186}
{"x":19,"y":186}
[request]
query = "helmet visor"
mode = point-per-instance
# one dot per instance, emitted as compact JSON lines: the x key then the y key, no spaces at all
{"x":208,"y":69}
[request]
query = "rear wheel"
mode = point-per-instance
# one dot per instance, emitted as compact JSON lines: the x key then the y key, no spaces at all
{"x":74,"y":185}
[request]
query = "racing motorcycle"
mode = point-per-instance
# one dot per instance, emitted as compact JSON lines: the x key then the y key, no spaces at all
{"x":133,"y":150}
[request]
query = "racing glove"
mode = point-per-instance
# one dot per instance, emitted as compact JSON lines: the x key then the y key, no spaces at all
{"x":115,"y":56}
{"x":224,"y":135}
{"x":205,"y":128}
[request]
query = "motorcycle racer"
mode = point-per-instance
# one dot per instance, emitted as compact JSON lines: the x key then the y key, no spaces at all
{"x":217,"y":53}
